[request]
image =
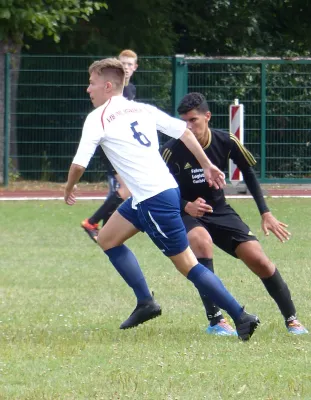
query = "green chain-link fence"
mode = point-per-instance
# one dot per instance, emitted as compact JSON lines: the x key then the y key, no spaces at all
{"x":51,"y":104}
{"x":48,"y":104}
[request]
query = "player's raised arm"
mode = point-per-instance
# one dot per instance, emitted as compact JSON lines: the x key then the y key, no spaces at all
{"x":177,"y":129}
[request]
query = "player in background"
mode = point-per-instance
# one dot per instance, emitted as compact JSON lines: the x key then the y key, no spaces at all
{"x":127,"y":132}
{"x":223,"y":226}
{"x":129,"y":60}
{"x":118,"y":192}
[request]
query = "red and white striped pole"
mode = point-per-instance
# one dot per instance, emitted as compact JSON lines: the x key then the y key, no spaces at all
{"x":236,"y":126}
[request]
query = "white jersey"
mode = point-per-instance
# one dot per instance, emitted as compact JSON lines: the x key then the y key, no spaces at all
{"x":127,"y":132}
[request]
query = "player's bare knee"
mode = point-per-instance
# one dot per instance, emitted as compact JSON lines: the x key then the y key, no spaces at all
{"x":103,"y":244}
{"x":265,"y":266}
{"x":260,"y":264}
{"x":252,"y":254}
{"x":105,"y":241}
{"x":184,"y":261}
{"x":201,"y":243}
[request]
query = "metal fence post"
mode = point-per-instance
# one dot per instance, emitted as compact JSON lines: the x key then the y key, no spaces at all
{"x":180,"y":81}
{"x":7,"y":100}
{"x":263,"y":117}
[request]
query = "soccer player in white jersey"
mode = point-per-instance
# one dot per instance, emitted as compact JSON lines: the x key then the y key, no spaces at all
{"x":127,"y":132}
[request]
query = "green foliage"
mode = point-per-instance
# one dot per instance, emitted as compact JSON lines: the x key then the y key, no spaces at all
{"x":164,"y":27}
{"x":242,"y":27}
{"x":212,"y":28}
{"x":288,"y":110}
{"x":50,"y":116}
{"x":38,"y":18}
{"x":289,"y":119}
{"x":144,"y":26}
{"x":14,"y":175}
{"x":47,"y":173}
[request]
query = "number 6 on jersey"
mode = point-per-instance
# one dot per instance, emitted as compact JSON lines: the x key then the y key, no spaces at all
{"x":140,"y":136}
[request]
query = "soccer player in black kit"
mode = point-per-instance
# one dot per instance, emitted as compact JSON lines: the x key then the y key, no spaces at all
{"x":117,"y":189}
{"x":223,"y":226}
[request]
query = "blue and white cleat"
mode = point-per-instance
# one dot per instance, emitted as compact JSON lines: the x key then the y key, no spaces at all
{"x":222,"y":328}
{"x":296,"y":328}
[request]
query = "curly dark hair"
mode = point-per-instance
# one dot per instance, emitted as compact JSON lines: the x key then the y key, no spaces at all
{"x":193,"y":101}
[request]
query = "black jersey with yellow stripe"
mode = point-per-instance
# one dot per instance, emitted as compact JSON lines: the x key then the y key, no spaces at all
{"x":188,"y":173}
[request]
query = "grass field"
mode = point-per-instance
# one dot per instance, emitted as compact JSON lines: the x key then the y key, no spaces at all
{"x":62,"y":304}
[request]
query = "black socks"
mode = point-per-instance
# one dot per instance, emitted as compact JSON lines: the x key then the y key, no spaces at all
{"x":106,"y":210}
{"x":213,"y":312}
{"x":280,"y":293}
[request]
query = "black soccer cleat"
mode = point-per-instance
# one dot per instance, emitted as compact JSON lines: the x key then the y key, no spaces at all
{"x":246,"y":325}
{"x":142,"y":313}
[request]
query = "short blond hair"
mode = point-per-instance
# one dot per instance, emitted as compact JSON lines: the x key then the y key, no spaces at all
{"x":112,"y":68}
{"x":128,"y":53}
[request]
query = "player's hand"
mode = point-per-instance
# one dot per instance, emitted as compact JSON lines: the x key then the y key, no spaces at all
{"x":69,"y":195}
{"x":270,"y":223}
{"x":214,"y":177}
{"x":198,"y":208}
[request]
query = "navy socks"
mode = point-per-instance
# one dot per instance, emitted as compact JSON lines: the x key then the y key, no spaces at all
{"x":209,"y":284}
{"x":204,"y":280}
{"x":127,"y":265}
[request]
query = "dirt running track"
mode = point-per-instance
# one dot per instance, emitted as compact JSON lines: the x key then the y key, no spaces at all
{"x":50,"y":191}
{"x":48,"y":194}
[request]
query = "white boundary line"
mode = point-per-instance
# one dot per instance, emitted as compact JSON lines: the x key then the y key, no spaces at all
{"x":25,"y":198}
{"x":279,"y":196}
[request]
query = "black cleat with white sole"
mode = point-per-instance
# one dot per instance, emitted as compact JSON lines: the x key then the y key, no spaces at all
{"x":142,"y":313}
{"x":246,"y":325}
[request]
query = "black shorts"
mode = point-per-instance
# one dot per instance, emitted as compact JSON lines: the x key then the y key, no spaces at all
{"x":225,"y":226}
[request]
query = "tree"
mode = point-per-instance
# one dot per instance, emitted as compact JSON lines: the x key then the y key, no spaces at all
{"x":213,"y":28}
{"x":243,"y":27}
{"x":34,"y":19}
{"x":144,"y":26}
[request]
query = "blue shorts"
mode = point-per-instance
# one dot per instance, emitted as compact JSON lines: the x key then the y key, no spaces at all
{"x":160,"y":218}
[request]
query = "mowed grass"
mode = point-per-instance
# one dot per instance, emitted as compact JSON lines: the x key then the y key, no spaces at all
{"x":62,"y":303}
